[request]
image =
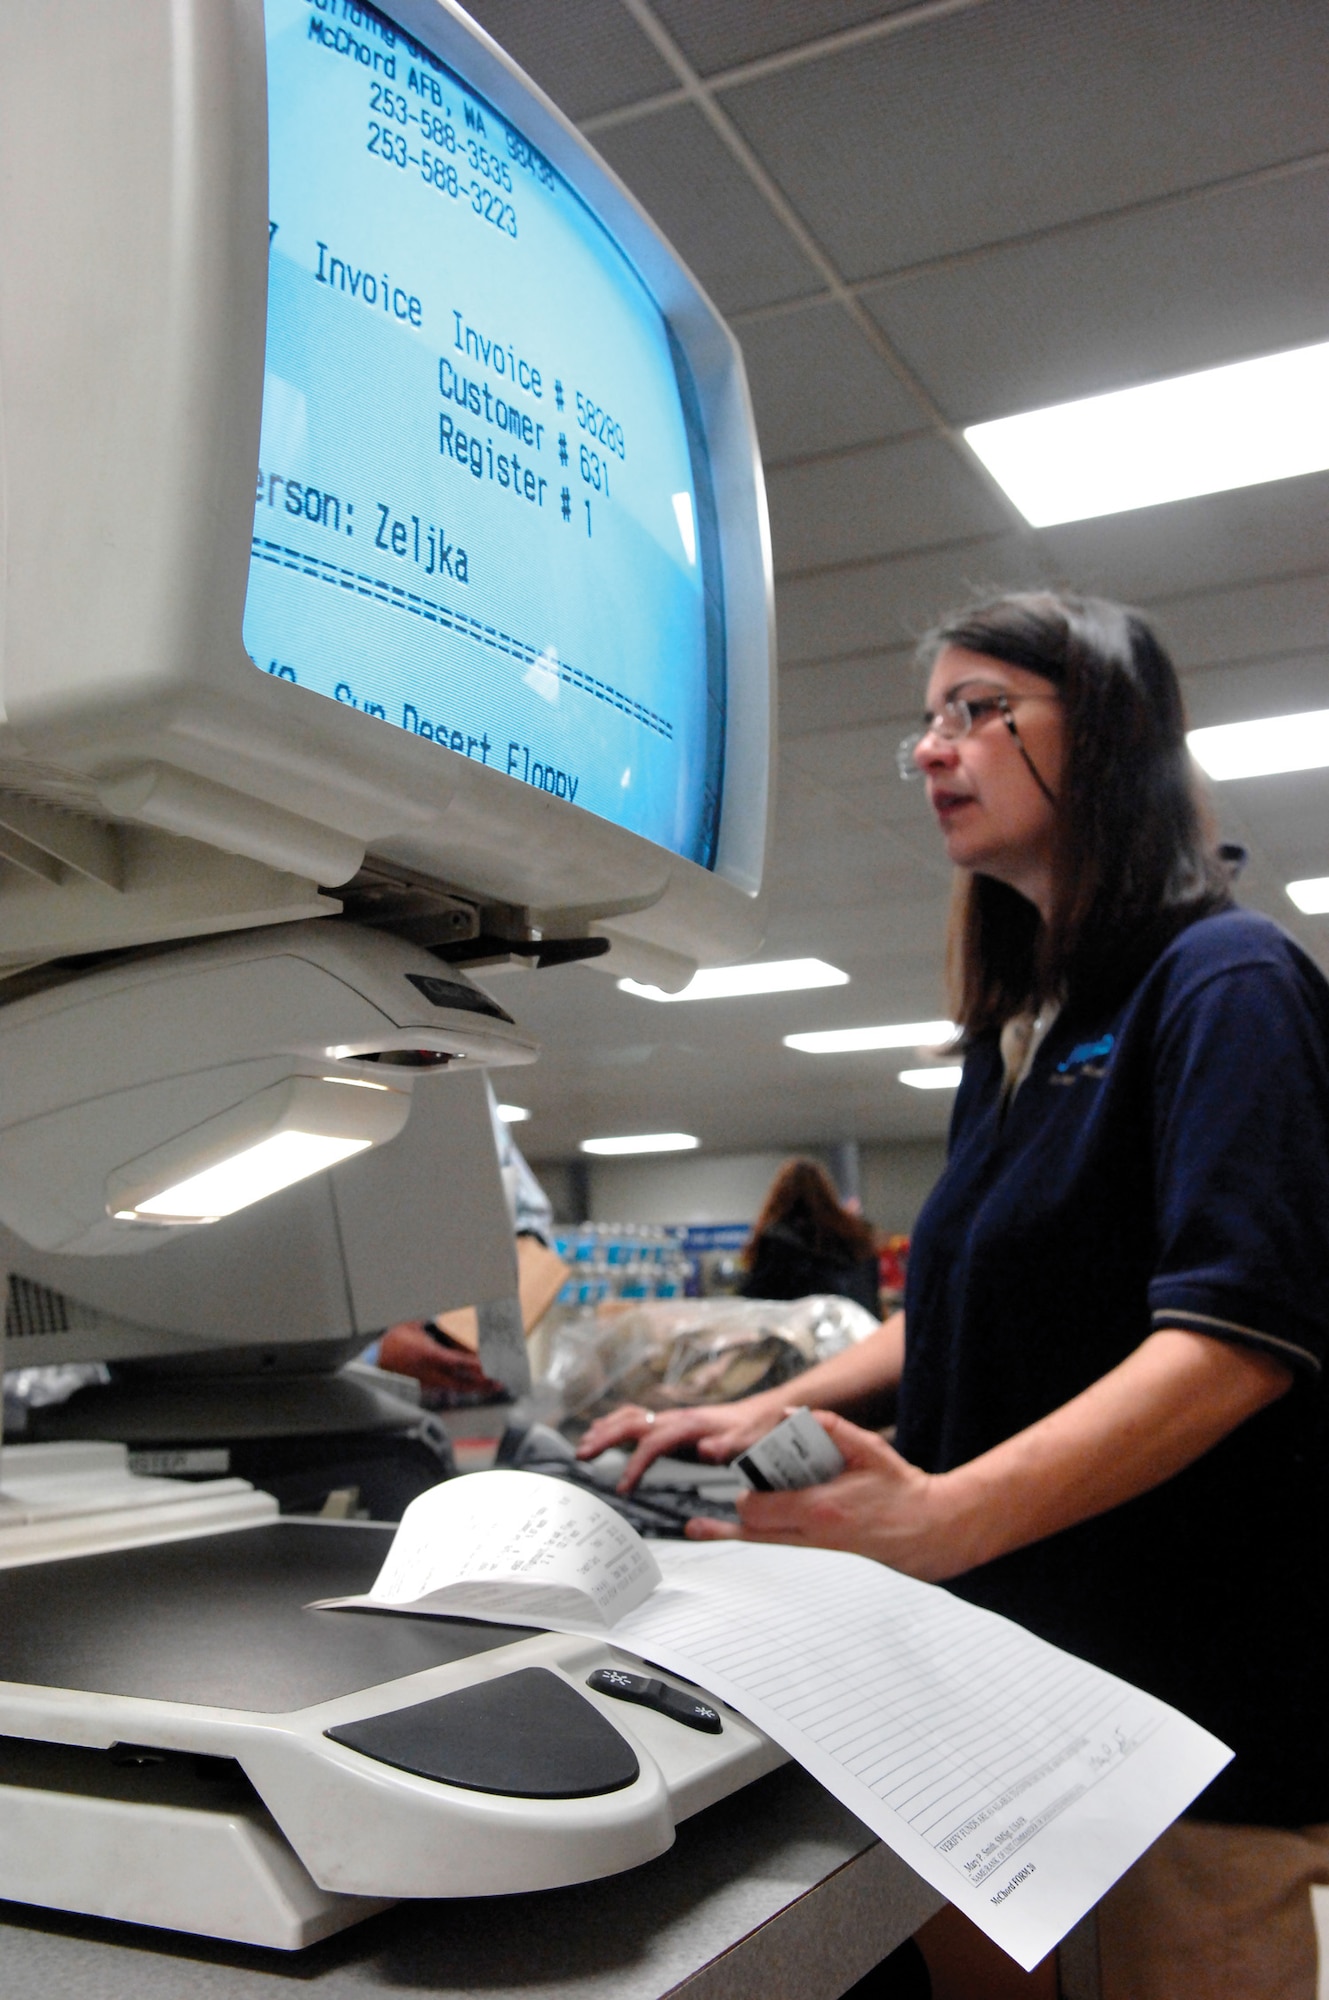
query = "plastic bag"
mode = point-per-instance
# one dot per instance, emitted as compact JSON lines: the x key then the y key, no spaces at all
{"x":666,"y":1353}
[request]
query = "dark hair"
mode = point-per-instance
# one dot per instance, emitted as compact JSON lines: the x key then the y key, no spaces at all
{"x":803,"y":1195}
{"x":1135,"y":858}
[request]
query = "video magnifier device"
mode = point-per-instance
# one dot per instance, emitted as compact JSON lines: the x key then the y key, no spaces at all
{"x":387,"y":607}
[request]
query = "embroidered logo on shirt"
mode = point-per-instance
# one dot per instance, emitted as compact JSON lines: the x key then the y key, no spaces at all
{"x":1085,"y":1059}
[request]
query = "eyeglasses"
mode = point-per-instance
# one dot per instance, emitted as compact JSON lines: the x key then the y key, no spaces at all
{"x":957,"y":717}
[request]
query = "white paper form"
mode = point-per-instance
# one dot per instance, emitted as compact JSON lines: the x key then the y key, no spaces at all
{"x":1016,"y":1779}
{"x":520,"y":1549}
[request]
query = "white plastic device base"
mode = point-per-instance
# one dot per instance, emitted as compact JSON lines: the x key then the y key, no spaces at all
{"x":326,"y":1836}
{"x":75,"y":1499}
{"x":216,"y":1873}
{"x":184,"y":1866}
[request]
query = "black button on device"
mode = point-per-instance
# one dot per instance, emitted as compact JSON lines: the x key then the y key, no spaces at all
{"x":527,"y":1733}
{"x":651,"y":1693}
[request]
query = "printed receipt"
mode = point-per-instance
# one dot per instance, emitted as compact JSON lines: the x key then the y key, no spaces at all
{"x":514,"y":1543}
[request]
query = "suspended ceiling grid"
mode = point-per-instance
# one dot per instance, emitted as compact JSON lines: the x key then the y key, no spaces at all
{"x":916,"y":217}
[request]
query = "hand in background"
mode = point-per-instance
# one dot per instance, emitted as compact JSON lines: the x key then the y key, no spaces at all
{"x":410,"y":1349}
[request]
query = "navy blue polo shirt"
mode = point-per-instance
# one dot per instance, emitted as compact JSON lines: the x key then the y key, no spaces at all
{"x":1164,"y":1164}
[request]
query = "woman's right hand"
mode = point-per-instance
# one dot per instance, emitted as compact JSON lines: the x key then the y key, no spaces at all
{"x":718,"y":1431}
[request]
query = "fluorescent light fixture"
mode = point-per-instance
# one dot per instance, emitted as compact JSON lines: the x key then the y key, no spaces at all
{"x":687,"y":527}
{"x":1240,"y":425}
{"x":512,"y":1114}
{"x":849,"y":1041}
{"x":1311,"y":896}
{"x":267,"y":1142}
{"x":643,"y":1142}
{"x":1257,"y":749}
{"x":945,"y":1076}
{"x":354,"y":1083}
{"x":730,"y":982}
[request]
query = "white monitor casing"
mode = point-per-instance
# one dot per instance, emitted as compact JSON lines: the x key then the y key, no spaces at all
{"x":153,"y":784}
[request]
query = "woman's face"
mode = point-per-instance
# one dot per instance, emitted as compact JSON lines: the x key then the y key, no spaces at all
{"x":993,"y":817}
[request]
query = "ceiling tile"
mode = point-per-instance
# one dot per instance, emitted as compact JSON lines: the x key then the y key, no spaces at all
{"x":877,"y":501}
{"x":1126,"y":301}
{"x":886,"y":800}
{"x":691,"y":184}
{"x":589,"y":55}
{"x":854,"y":938}
{"x":892,"y":603}
{"x":843,"y":758}
{"x":1265,"y":687}
{"x":1193,"y":544}
{"x":824,"y":855}
{"x":1000,"y":120}
{"x":1288,"y":814}
{"x":861,"y":1095}
{"x":886,"y":687}
{"x":718,"y":37}
{"x":817,"y":384}
{"x":1011,"y":117}
{"x":1288,"y":615}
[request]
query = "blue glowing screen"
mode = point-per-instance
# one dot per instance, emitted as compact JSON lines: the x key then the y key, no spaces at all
{"x":483,"y":508}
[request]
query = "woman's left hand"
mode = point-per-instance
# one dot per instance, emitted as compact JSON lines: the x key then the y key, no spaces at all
{"x":880,"y":1506}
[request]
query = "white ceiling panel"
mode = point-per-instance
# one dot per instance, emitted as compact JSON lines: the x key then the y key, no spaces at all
{"x":1264,"y":687}
{"x":877,"y":942}
{"x":1286,"y":615}
{"x":1287,"y":814}
{"x":818,"y":384}
{"x":589,"y":55}
{"x":887,"y":800}
{"x":698,"y":1068}
{"x":829,"y":857}
{"x":1127,"y":300}
{"x":1286,"y":821}
{"x":871,"y":605}
{"x":1218,"y":540}
{"x":715,"y":36}
{"x":694,"y":188}
{"x":1064,"y":164}
{"x":1023,"y":114}
{"x":864,"y":1094}
{"x":847,"y":758}
{"x":877,"y":501}
{"x":886,"y":687}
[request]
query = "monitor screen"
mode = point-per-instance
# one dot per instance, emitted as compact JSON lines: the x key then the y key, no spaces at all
{"x":484,"y":510}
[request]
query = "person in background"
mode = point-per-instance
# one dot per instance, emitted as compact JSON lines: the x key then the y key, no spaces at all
{"x":446,"y":1371}
{"x":1112,"y":1419}
{"x":805,"y":1241}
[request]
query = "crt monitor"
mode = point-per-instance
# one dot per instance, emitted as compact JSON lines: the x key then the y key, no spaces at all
{"x":381,"y":490}
{"x":385,"y":546}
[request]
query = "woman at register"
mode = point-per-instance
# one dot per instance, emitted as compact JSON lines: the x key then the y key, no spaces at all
{"x":1110,"y":1415}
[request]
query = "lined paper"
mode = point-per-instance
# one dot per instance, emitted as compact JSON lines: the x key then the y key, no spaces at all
{"x":1016,"y":1779}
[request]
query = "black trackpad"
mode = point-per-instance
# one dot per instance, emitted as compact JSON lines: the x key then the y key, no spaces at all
{"x":526,"y":1734}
